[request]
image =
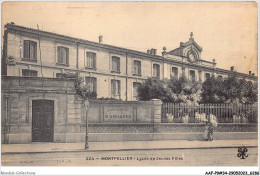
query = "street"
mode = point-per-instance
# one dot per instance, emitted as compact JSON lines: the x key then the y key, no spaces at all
{"x":178,"y":157}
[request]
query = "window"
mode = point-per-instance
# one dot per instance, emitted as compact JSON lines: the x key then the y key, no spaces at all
{"x":29,"y":73}
{"x":91,"y":83}
{"x":30,"y":50}
{"x":63,"y":55}
{"x":175,"y":72}
{"x":192,"y":75}
{"x":199,"y":75}
{"x":115,"y":64}
{"x":90,"y":60}
{"x":207,"y":75}
{"x":59,"y":75}
{"x":156,"y":70}
{"x":137,"y":68}
{"x":135,"y":90}
{"x":220,"y":76}
{"x":115,"y":89}
{"x":183,"y":70}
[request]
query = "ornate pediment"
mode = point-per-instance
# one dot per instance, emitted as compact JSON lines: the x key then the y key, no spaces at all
{"x":190,"y":50}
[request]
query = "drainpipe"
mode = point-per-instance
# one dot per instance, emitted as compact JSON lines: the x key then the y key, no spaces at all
{"x":126,"y":75}
{"x":6,"y":118}
{"x":4,"y":53}
{"x":77,"y":43}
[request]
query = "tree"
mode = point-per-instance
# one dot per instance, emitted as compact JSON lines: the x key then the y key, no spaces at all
{"x":174,"y":90}
{"x":212,"y":91}
{"x":154,"y":88}
{"x":230,"y":90}
{"x":184,"y":90}
{"x":84,"y":92}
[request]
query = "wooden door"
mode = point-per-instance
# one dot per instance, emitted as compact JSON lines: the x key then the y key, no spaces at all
{"x":42,"y":120}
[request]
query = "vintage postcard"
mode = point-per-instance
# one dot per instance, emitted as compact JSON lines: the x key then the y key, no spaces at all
{"x":129,"y":84}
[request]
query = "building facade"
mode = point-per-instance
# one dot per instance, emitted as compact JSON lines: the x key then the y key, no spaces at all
{"x":37,"y":107}
{"x":110,"y":71}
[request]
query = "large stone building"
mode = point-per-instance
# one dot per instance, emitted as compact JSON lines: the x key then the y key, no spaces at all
{"x":37,"y":107}
{"x":110,"y":71}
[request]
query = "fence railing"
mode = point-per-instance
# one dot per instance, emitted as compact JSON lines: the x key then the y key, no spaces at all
{"x":225,"y":113}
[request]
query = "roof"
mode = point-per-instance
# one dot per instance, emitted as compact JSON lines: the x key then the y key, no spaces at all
{"x":191,"y":41}
{"x":11,"y":26}
{"x":177,"y":51}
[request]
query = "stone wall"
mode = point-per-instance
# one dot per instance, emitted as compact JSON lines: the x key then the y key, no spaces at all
{"x":108,"y":120}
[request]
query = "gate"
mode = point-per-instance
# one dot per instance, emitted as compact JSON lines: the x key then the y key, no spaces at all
{"x":42,"y":120}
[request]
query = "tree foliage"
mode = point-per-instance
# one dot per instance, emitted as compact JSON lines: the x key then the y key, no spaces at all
{"x":173,"y":90}
{"x":213,"y":90}
{"x":229,"y":90}
{"x":82,"y":90}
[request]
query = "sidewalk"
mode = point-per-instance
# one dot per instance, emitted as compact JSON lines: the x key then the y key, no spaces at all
{"x":43,"y":147}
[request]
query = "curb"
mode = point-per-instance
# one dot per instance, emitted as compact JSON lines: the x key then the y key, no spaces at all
{"x":110,"y":150}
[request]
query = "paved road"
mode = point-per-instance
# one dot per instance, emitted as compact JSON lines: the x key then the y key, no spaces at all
{"x":183,"y":157}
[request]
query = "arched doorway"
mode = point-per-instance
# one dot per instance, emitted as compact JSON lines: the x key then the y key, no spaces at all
{"x":42,"y":120}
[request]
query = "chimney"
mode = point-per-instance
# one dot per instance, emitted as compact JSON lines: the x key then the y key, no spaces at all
{"x":250,"y":72}
{"x":154,"y":51}
{"x":148,"y":51}
{"x":253,"y":74}
{"x":100,"y":39}
{"x":232,"y":68}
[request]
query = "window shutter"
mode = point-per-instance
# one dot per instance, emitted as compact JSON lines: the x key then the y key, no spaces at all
{"x":113,"y":64}
{"x":94,"y":60}
{"x":119,"y":88}
{"x":59,"y":55}
{"x":63,"y":55}
{"x":67,"y":56}
{"x":118,"y":64}
{"x":139,"y":68}
{"x":87,"y":59}
{"x":112,"y":87}
{"x":88,"y":82}
{"x":34,"y":50}
{"x":158,"y":71}
{"x":95,"y":84}
{"x":26,"y":49}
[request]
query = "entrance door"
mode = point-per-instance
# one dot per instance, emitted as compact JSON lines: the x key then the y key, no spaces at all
{"x":42,"y":120}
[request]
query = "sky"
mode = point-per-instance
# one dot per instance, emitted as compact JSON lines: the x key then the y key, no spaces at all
{"x":227,"y":31}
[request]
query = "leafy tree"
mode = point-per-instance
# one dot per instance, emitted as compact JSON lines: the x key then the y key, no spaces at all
{"x":212,"y":90}
{"x":184,"y":90}
{"x":154,"y":88}
{"x":174,"y":90}
{"x":229,"y":90}
{"x":82,"y":90}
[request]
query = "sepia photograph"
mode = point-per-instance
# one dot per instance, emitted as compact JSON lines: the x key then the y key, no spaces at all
{"x":137,"y":83}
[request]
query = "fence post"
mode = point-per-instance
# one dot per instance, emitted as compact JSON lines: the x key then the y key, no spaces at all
{"x":157,"y":110}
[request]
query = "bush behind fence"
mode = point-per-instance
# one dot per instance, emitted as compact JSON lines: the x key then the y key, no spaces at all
{"x":225,"y":113}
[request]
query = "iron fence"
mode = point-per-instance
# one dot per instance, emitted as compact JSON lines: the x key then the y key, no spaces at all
{"x":197,"y":113}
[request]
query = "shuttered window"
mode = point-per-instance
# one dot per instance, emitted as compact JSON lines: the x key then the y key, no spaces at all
{"x":207,"y":75}
{"x":91,"y":83}
{"x":156,"y":70}
{"x":90,"y":60}
{"x":115,"y":89}
{"x":29,"y":73}
{"x":135,"y":90}
{"x":63,"y":55}
{"x":30,"y":50}
{"x":192,"y":75}
{"x":175,"y":72}
{"x":115,"y":64}
{"x":137,"y":67}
